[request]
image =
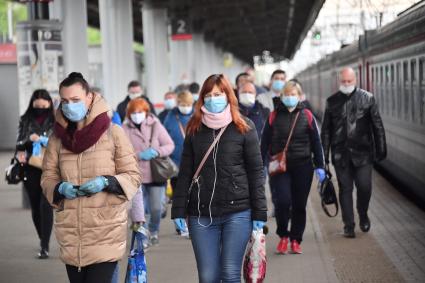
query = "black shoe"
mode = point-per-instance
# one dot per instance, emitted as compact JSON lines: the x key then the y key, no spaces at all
{"x":365,"y":224}
{"x":43,"y":254}
{"x":349,"y":232}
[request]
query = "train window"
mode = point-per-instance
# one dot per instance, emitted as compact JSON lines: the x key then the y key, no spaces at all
{"x":406,"y":90}
{"x":380,"y":88}
{"x":386,"y":90}
{"x":422,"y":89}
{"x":392,"y":73}
{"x":414,"y":92}
{"x":399,"y":89}
{"x":392,"y":90}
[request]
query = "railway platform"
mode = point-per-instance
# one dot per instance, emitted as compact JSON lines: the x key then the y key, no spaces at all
{"x":393,"y":251}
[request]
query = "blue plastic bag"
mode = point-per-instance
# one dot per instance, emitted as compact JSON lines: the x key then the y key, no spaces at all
{"x":136,"y":268}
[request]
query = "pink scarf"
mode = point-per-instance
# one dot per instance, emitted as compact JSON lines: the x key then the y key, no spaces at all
{"x":216,"y":120}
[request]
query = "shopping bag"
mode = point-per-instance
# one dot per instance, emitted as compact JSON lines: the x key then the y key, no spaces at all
{"x":136,"y":268}
{"x":254,"y":268}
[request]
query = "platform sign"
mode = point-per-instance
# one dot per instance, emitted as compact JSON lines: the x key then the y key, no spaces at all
{"x":40,"y":58}
{"x":181,"y":29}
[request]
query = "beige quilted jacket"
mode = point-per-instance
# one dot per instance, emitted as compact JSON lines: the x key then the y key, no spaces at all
{"x":92,"y":229}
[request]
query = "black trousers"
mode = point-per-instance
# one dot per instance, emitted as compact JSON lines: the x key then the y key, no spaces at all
{"x":94,"y":273}
{"x":291,"y":190}
{"x":41,"y":211}
{"x":362,"y":178}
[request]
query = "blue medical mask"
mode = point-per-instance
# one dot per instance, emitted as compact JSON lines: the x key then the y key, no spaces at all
{"x":195,"y":97}
{"x":290,"y":101}
{"x":215,"y":104}
{"x":74,"y":111}
{"x":277,"y":85}
{"x":170,"y":103}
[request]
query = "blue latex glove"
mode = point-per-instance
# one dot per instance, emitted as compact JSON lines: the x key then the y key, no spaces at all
{"x":36,"y":148}
{"x":68,"y":190}
{"x":180,"y":224}
{"x":148,"y":154}
{"x":257,"y":225}
{"x":321,"y":174}
{"x":44,"y":140}
{"x":93,"y":186}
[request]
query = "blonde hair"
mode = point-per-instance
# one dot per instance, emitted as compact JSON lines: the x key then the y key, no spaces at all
{"x":292,"y":85}
{"x":185,"y":97}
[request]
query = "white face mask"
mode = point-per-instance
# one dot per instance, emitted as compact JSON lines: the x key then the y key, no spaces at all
{"x":134,"y":95}
{"x":185,"y":109}
{"x":347,"y":89}
{"x":247,"y":99}
{"x":138,"y":118}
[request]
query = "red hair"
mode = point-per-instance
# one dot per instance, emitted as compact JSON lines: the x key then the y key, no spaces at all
{"x":137,"y":105}
{"x":224,"y":85}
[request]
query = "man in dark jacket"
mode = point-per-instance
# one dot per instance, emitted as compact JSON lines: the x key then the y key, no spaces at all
{"x":353,"y":129}
{"x":251,"y":108}
{"x":134,"y":90}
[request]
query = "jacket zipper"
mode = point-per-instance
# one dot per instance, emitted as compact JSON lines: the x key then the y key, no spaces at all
{"x":79,"y":214}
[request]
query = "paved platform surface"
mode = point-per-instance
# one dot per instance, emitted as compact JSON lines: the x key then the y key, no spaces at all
{"x":394,"y":250}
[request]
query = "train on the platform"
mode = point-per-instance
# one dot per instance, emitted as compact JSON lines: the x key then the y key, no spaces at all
{"x":390,"y":63}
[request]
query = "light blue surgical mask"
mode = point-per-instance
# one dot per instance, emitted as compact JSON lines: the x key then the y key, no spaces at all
{"x":195,"y":97}
{"x":290,"y":101}
{"x":215,"y":104}
{"x":74,"y":111}
{"x":170,"y":103}
{"x":277,"y":85}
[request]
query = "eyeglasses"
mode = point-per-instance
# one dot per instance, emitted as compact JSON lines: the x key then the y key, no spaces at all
{"x":215,"y":94}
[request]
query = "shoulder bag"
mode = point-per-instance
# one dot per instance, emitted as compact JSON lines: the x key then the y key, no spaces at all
{"x":14,"y":172}
{"x":327,"y":194}
{"x":162,"y":168}
{"x":277,"y":163}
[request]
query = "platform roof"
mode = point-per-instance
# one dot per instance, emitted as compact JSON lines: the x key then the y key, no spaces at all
{"x":243,"y":27}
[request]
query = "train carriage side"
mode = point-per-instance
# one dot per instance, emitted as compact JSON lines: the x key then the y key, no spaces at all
{"x":390,"y":63}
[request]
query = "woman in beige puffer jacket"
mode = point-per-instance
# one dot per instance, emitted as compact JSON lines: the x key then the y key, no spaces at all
{"x":90,"y":172}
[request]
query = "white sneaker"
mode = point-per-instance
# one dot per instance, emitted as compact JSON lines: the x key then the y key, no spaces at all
{"x":184,"y":234}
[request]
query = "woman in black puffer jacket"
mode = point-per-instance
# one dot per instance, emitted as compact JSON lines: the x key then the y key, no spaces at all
{"x":291,"y":189}
{"x":228,"y":202}
{"x":35,"y":127}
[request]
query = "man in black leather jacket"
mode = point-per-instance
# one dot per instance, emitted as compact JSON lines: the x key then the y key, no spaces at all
{"x":352,"y":128}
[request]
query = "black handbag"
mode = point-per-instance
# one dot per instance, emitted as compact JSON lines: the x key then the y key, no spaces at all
{"x":162,"y":168}
{"x":328,"y":194}
{"x":14,"y":172}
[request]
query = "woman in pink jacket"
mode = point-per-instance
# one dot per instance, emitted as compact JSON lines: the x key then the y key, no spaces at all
{"x":150,"y":140}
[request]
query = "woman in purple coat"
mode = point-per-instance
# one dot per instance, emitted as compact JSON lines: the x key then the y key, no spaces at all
{"x":150,"y":140}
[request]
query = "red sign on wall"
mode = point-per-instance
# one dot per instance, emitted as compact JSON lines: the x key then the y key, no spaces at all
{"x":7,"y":53}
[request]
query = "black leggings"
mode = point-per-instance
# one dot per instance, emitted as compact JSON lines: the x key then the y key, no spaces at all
{"x":291,"y":190}
{"x":41,"y":211}
{"x":94,"y":273}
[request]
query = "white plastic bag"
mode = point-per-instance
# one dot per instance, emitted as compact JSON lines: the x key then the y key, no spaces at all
{"x":254,"y":268}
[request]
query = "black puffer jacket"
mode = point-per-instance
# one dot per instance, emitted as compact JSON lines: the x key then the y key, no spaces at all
{"x":240,"y":177}
{"x":305,"y":141}
{"x":353,"y":129}
{"x":28,"y":126}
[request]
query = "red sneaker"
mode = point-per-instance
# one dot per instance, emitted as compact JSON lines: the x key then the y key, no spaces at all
{"x":282,"y":247}
{"x":295,"y":247}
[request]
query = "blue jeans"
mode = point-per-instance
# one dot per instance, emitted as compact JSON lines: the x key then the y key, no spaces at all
{"x":152,"y":198}
{"x":219,"y":248}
